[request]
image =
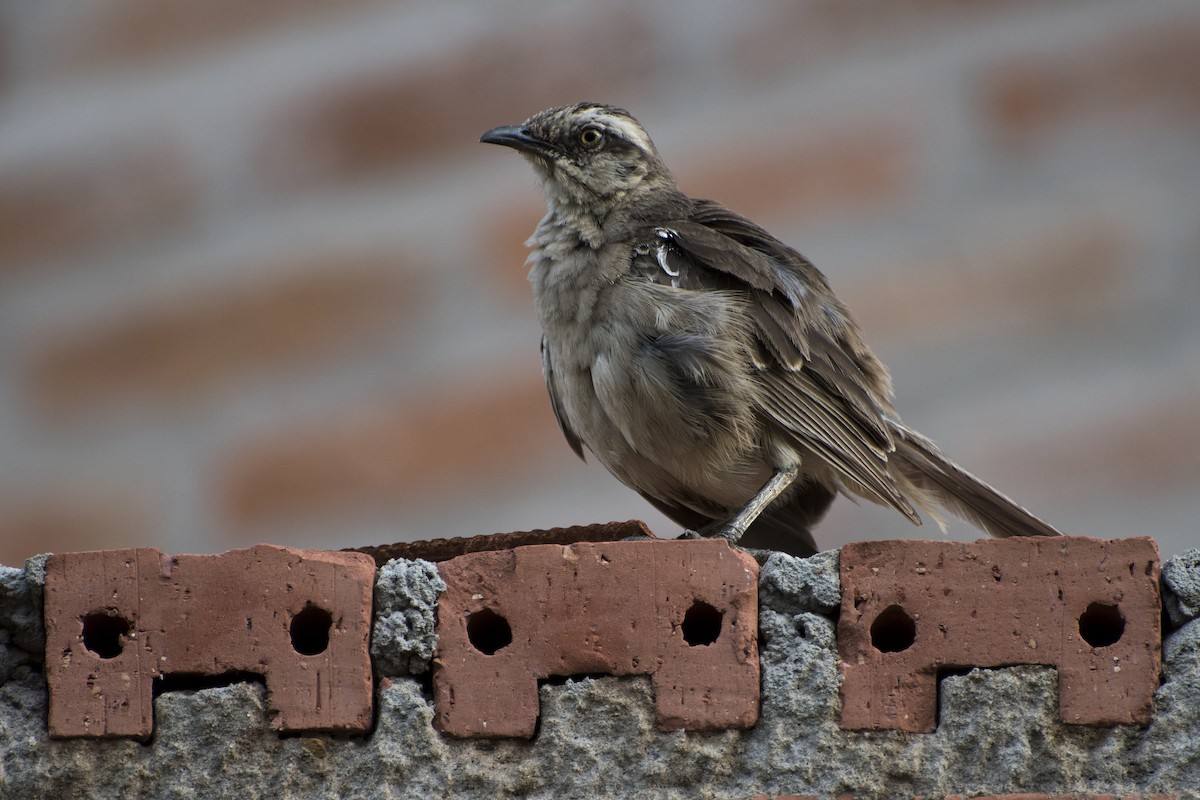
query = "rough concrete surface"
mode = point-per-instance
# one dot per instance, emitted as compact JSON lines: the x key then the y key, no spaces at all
{"x":403,"y":636}
{"x":22,"y":633}
{"x":1181,"y":587}
{"x":998,"y":733}
{"x":792,"y":585}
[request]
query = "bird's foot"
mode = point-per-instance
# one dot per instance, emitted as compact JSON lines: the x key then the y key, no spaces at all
{"x":731,"y":532}
{"x":731,"y":536}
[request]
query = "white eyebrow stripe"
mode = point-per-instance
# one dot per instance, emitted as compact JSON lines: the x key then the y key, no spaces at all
{"x":625,"y":128}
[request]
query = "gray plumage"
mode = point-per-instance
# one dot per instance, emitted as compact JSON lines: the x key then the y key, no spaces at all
{"x":706,"y":364}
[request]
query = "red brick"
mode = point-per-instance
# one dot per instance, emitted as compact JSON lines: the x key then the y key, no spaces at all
{"x":1043,"y":277}
{"x":1089,"y":607}
{"x":299,"y":618}
{"x":504,"y":231}
{"x":1142,"y":448}
{"x":175,"y":351}
{"x":128,"y":32}
{"x":491,"y":430}
{"x":862,"y":163}
{"x":613,"y":608}
{"x":789,"y":34}
{"x":392,"y":119}
{"x":1136,"y":74}
{"x":56,"y":208}
{"x":59,"y":516}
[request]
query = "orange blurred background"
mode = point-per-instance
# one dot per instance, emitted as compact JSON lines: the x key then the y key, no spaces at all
{"x":259,"y":281}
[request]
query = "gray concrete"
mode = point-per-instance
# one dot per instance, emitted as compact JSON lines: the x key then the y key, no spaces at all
{"x":801,"y":584}
{"x":998,"y":729}
{"x":1181,"y":587}
{"x":22,"y":637}
{"x":403,"y":634}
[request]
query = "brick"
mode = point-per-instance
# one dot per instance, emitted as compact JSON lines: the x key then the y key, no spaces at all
{"x":863,"y":163}
{"x":131,"y":32}
{"x":59,"y":516}
{"x":493,"y":429}
{"x":445,"y":549}
{"x":116,"y":620}
{"x":1137,"y":73}
{"x":783,"y":36}
{"x":1140,"y":449}
{"x":504,"y":230}
{"x":391,"y":119}
{"x":510,"y":618}
{"x":1089,"y":607}
{"x":1080,"y":269}
{"x":68,"y":205}
{"x":176,"y":350}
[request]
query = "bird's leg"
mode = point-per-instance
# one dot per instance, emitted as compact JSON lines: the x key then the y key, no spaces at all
{"x":781,"y":480}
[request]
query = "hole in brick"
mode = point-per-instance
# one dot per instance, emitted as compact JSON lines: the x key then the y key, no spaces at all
{"x":1101,"y":625}
{"x":103,"y":633}
{"x":893,"y":630}
{"x":310,"y":630}
{"x":488,"y":631}
{"x":701,"y":624}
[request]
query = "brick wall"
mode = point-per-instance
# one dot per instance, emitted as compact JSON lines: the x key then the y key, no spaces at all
{"x":259,"y":282}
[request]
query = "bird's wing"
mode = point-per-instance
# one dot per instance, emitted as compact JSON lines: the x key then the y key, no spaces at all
{"x":552,"y":390}
{"x":818,"y":380}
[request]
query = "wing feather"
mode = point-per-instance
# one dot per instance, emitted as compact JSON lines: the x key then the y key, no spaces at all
{"x":817,"y":381}
{"x":552,"y":390}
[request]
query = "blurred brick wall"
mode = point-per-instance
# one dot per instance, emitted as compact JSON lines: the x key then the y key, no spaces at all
{"x":258,"y":281}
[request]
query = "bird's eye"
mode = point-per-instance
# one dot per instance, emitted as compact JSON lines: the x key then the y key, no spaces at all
{"x":591,"y":136}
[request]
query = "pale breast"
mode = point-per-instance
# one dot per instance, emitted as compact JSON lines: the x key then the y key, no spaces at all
{"x":653,"y":377}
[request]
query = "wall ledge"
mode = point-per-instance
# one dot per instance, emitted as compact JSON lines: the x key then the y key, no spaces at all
{"x":998,"y":730}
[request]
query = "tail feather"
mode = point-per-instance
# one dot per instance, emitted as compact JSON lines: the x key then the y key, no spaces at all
{"x":932,"y":480}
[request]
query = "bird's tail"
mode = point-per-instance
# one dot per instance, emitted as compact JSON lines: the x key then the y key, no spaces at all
{"x":930,"y":478}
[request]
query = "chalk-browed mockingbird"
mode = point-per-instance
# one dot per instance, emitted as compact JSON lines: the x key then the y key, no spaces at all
{"x":705,"y":363}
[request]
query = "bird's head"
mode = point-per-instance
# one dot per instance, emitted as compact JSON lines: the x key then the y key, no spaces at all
{"x":589,"y":156}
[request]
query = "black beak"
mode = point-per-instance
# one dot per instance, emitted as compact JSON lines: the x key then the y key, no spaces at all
{"x":517,"y":138}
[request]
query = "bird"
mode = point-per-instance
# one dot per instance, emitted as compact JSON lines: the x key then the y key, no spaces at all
{"x":706,"y":364}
